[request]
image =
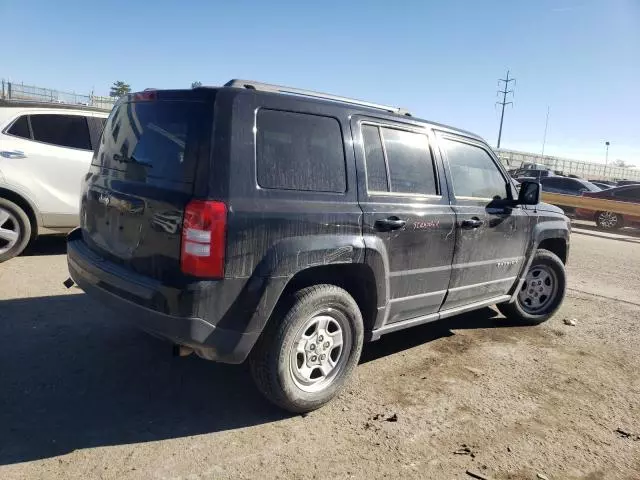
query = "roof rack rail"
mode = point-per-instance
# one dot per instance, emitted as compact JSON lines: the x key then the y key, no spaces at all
{"x":266,"y":87}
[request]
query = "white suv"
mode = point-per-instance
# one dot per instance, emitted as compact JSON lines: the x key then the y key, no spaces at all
{"x":45,"y":150}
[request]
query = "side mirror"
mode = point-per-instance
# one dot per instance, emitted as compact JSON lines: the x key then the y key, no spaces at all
{"x":529,"y":193}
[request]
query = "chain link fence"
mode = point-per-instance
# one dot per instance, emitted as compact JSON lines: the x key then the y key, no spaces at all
{"x":30,"y":93}
{"x":594,"y":171}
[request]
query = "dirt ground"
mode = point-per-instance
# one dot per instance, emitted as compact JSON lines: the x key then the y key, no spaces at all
{"x":82,"y":396}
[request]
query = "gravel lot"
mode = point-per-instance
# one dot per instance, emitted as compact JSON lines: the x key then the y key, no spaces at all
{"x":82,"y":396}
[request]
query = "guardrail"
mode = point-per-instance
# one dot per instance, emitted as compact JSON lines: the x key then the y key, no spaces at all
{"x":591,"y":203}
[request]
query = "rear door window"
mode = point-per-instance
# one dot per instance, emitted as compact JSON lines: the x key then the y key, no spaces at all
{"x":398,"y":161}
{"x":163,"y":137}
{"x":69,"y":131}
{"x":409,"y":159}
{"x":20,"y":128}
{"x":299,"y":151}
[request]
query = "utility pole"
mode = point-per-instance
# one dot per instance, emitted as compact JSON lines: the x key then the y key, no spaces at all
{"x":544,"y":139}
{"x":504,"y":102}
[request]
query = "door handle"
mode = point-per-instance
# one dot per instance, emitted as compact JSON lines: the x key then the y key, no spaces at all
{"x":12,"y":154}
{"x":388,"y":224}
{"x":471,"y":223}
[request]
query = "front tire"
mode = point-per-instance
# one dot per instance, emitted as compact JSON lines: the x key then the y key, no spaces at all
{"x":309,"y":350}
{"x":609,"y":220}
{"x":542,"y":292}
{"x":15,"y":230}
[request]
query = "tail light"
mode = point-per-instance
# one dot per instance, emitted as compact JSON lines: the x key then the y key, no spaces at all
{"x":203,"y":239}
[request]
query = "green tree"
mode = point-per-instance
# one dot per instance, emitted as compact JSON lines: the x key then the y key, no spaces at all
{"x":196,"y":84}
{"x":119,"y":88}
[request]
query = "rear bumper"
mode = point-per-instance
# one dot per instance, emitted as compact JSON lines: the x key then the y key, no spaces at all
{"x":131,"y":295}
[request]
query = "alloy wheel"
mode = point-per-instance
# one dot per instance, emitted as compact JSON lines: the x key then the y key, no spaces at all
{"x":608,"y":219}
{"x":9,"y":230}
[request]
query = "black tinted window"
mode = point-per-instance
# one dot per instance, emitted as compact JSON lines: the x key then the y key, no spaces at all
{"x":576,"y":186}
{"x":61,"y":130}
{"x":473,"y":171}
{"x":164,"y":137}
{"x":297,"y":151}
{"x":20,"y":128}
{"x":374,"y":157}
{"x":409,"y":160}
{"x":569,"y":185}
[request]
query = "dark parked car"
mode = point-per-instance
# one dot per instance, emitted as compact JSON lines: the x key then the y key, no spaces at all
{"x":246,"y":222}
{"x":611,"y":220}
{"x":567,"y":186}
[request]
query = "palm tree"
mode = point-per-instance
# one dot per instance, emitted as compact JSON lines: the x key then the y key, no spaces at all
{"x":196,"y":84}
{"x":119,"y":88}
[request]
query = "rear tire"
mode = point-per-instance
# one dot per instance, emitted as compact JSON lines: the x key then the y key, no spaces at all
{"x":15,"y":230}
{"x":542,"y":292}
{"x":309,"y":349}
{"x":609,"y":220}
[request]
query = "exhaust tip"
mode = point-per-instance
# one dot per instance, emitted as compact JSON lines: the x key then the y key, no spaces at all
{"x":181,"y":351}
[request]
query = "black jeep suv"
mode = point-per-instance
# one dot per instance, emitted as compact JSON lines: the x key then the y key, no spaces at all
{"x":287,"y":227}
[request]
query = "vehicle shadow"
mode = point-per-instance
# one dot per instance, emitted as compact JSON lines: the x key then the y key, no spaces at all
{"x":47,"y":245}
{"x":73,"y":377}
{"x":419,"y":335}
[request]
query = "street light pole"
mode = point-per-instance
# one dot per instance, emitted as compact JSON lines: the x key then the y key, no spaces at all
{"x":606,"y":158}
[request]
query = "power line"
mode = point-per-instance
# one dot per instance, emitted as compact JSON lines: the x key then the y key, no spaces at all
{"x":504,"y":102}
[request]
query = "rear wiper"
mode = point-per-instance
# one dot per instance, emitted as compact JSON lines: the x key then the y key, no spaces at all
{"x":132,"y":159}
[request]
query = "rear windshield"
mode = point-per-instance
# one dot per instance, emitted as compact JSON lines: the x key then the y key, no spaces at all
{"x":165,"y":138}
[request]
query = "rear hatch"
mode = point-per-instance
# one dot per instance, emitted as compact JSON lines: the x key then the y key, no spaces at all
{"x":154,"y":147}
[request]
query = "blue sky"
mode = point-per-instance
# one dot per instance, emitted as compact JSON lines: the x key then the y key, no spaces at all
{"x":440,"y":59}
